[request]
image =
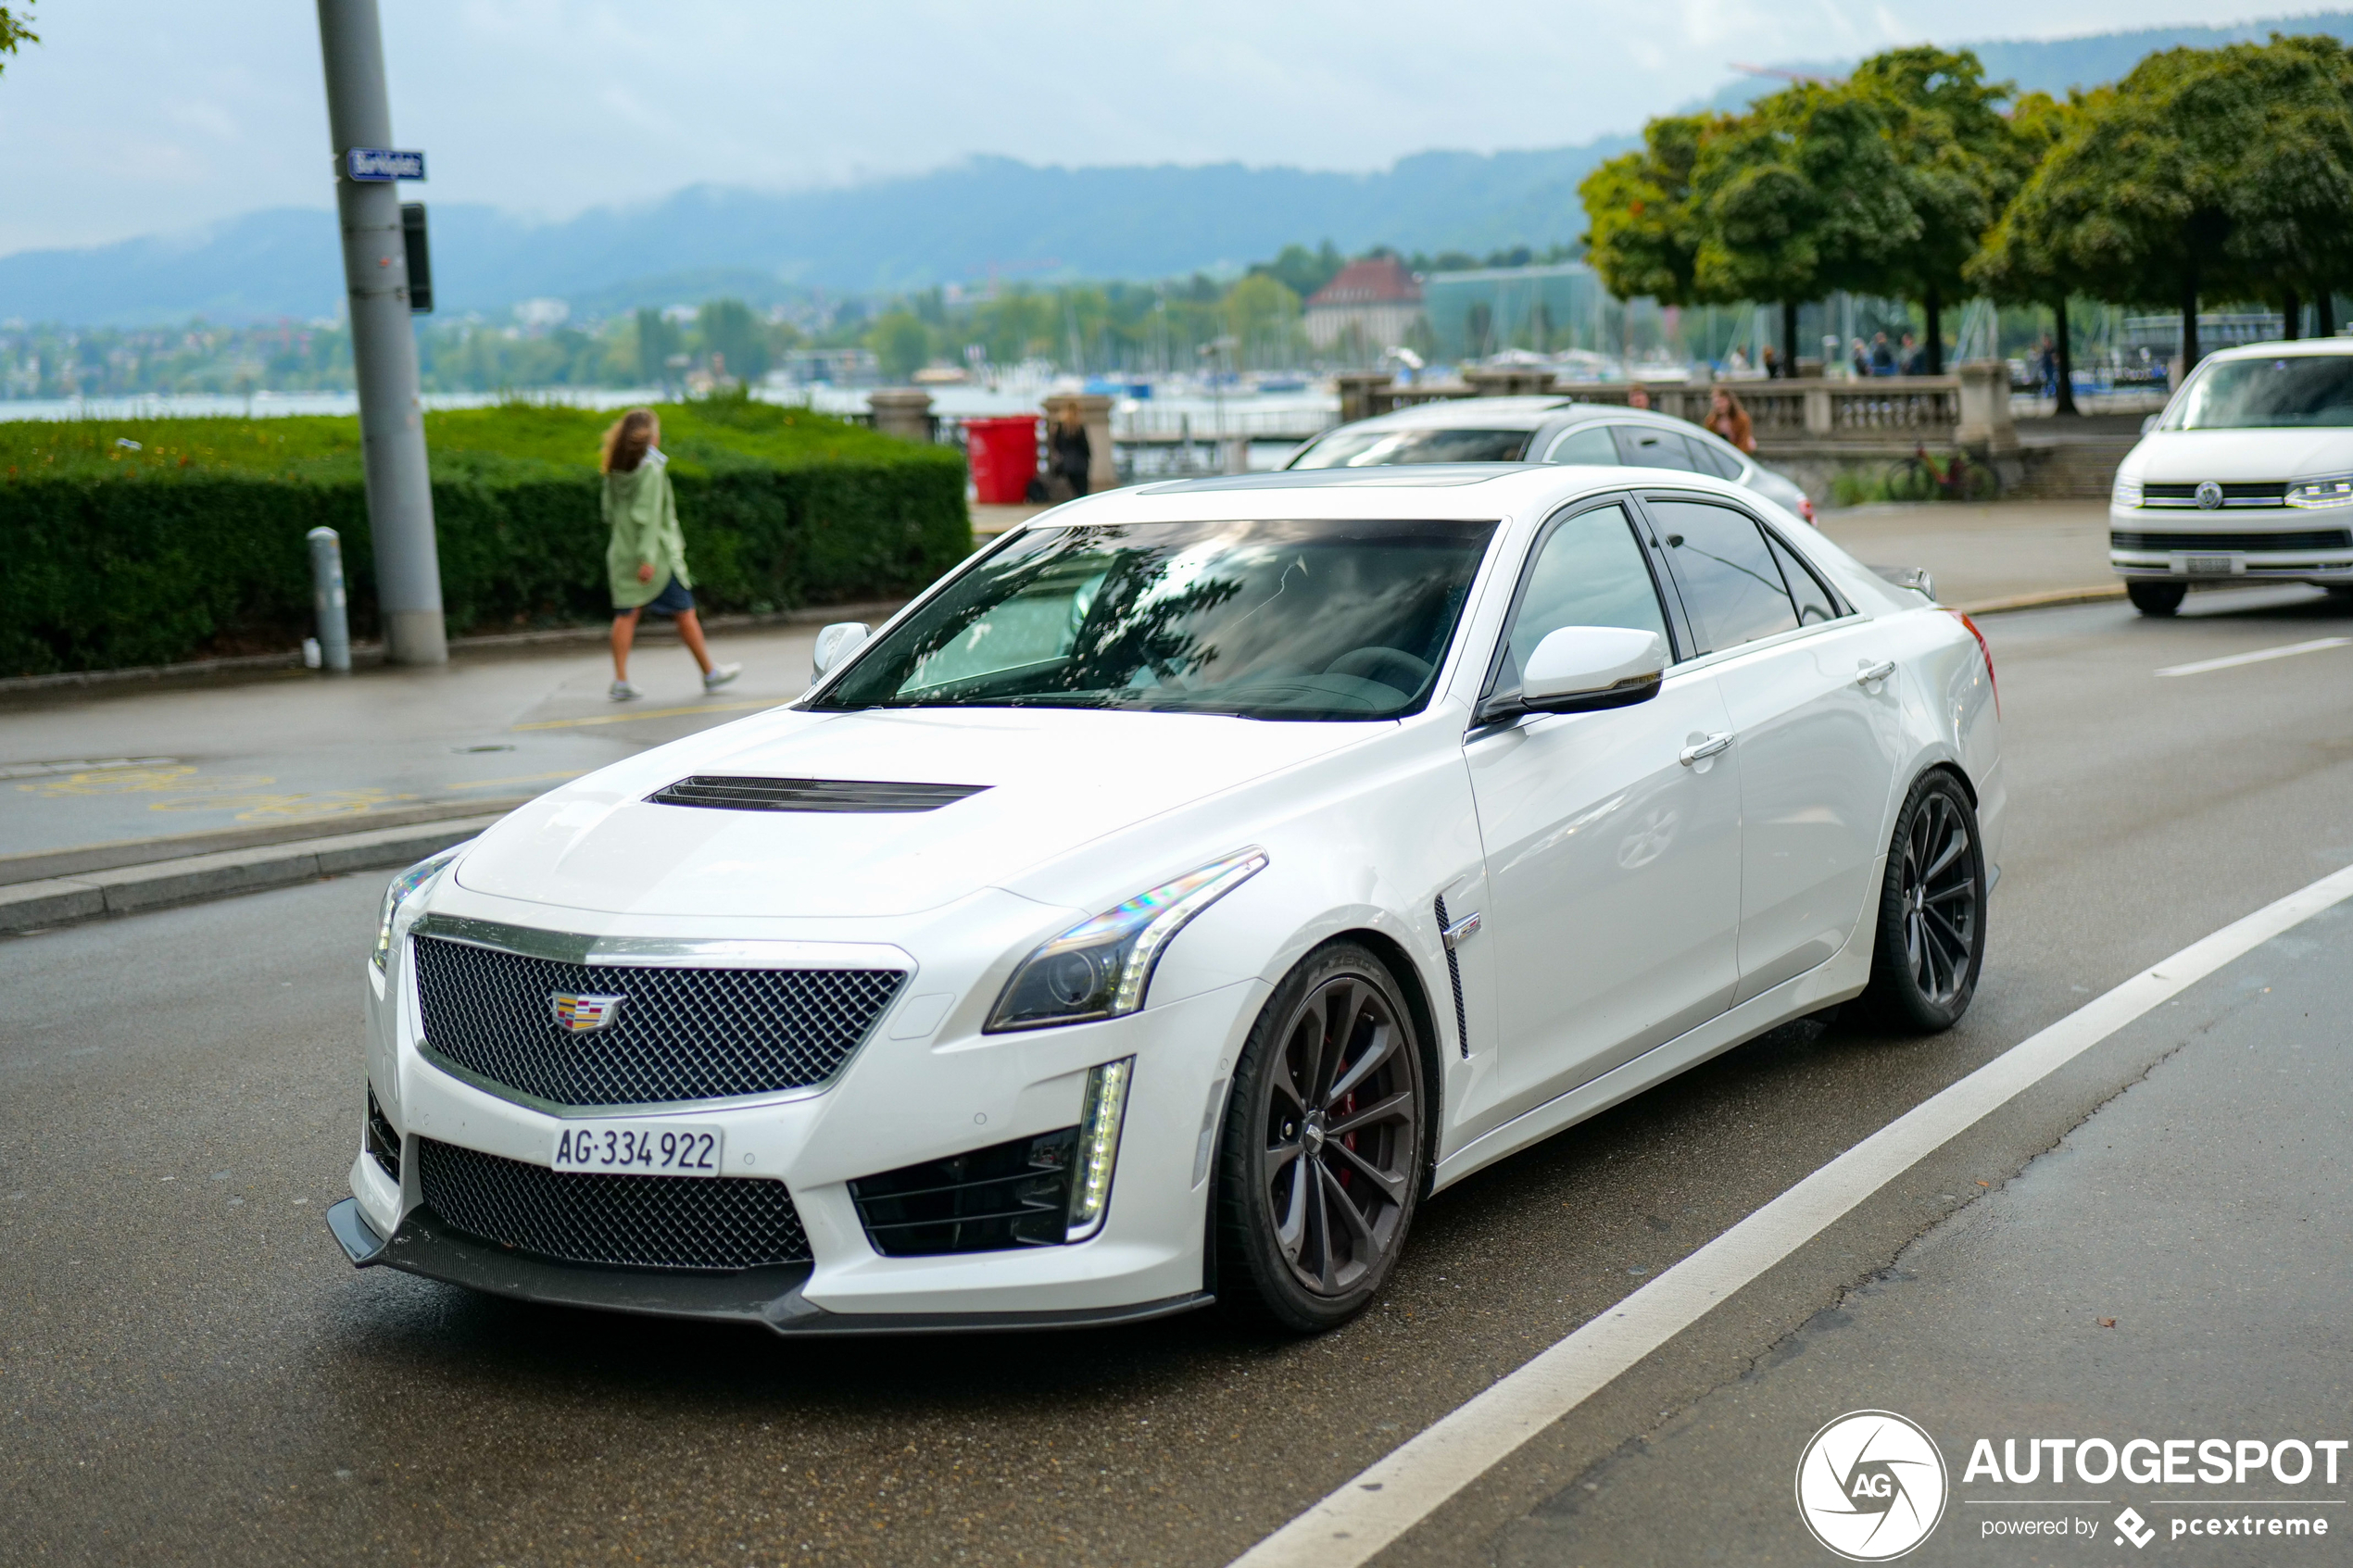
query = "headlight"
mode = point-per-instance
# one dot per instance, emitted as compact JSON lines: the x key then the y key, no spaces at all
{"x":2126,"y":494}
{"x":1100,"y":968}
{"x":2317,"y":494}
{"x":403,"y":887}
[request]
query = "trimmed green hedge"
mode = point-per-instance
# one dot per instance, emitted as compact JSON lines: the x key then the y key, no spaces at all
{"x":192,"y":544}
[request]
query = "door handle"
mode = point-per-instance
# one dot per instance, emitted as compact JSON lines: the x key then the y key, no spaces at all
{"x":1876,"y":672}
{"x":1705,"y":748}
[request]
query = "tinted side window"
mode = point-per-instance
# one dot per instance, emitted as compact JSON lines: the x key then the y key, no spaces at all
{"x":1589,"y":571}
{"x":1586,"y":444}
{"x":1651,"y":447}
{"x":1713,"y":459}
{"x":1732,"y":589}
{"x":1814,"y":602}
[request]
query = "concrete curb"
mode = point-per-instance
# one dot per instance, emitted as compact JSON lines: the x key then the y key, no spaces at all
{"x":370,"y":655}
{"x":129,"y":889}
{"x":2046,"y":599}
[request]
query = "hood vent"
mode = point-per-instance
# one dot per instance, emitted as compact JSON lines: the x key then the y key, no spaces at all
{"x":809,"y":795}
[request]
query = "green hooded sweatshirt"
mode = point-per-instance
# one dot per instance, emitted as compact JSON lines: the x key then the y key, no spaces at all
{"x":643,"y":515}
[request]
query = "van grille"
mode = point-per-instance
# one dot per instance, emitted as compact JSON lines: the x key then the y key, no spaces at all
{"x":2307,"y":539}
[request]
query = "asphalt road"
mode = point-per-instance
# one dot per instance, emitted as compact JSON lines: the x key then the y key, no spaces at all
{"x":189,"y":1372}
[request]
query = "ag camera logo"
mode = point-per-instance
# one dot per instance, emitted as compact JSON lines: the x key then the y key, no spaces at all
{"x":1870,"y":1485}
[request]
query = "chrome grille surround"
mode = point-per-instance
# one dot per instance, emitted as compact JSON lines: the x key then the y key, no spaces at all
{"x":704,"y":1022}
{"x":717,"y":1223}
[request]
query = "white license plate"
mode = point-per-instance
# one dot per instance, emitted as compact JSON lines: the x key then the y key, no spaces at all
{"x":2210,"y":566}
{"x":639,"y":1145}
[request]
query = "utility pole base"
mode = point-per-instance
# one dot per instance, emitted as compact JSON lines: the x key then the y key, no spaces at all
{"x":415,"y":636}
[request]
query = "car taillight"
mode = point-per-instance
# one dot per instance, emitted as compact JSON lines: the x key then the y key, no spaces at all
{"x":1987,"y":651}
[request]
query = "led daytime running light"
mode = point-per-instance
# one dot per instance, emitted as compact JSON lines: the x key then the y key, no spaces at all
{"x":2319,"y":495}
{"x":1098,"y":1147}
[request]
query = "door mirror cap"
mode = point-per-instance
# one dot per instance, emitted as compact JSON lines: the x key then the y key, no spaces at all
{"x":1578,"y":668}
{"x":2149,"y":423}
{"x":835,"y":642}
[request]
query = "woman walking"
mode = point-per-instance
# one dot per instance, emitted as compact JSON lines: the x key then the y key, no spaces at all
{"x":1727,"y":419}
{"x":647,"y":557}
{"x":1071,"y":452}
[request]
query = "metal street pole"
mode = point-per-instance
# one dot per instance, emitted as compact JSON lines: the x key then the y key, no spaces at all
{"x":384,"y":346}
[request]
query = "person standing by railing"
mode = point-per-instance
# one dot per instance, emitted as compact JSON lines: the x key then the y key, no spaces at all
{"x":1069,"y":453}
{"x":1727,"y":419}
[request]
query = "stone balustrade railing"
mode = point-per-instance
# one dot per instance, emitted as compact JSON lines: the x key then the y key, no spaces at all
{"x":1970,"y":406}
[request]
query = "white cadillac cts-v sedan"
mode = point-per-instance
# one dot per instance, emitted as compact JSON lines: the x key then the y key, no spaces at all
{"x":1169,"y":900}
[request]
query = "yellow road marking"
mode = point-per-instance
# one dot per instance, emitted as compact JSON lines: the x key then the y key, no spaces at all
{"x":652,"y":713}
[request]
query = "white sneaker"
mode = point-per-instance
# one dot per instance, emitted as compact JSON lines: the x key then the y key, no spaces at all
{"x":622,"y":691}
{"x":719,"y":675}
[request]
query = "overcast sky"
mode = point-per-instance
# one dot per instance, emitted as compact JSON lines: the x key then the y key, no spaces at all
{"x":137,"y":117}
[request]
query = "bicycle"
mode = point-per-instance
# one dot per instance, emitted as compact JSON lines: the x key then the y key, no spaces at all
{"x":1921,"y":477}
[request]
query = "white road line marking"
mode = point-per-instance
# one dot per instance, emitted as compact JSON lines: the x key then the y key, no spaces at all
{"x":1396,"y":1492}
{"x":2258,"y":656}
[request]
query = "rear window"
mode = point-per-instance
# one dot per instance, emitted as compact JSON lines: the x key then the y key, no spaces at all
{"x":2286,"y":392}
{"x":1378,"y":448}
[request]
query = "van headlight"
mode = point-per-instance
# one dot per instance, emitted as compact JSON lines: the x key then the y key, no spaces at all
{"x":404,"y":888}
{"x":2125,"y":494}
{"x":1101,"y":967}
{"x":2318,"y":494}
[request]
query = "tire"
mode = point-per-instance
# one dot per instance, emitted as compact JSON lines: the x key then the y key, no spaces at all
{"x":1310,"y":1266}
{"x":1979,"y":482}
{"x":1932,"y":911}
{"x":1909,"y":479}
{"x":2156,"y":598}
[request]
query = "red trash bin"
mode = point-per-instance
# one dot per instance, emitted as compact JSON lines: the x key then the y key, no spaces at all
{"x":1004,"y":455}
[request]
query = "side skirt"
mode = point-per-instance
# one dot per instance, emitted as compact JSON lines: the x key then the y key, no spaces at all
{"x":1837,"y":979}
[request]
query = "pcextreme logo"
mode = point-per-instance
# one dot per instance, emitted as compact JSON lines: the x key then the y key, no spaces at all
{"x":1870,"y":1485}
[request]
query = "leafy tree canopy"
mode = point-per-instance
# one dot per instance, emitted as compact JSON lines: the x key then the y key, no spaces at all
{"x":16,"y":30}
{"x":1800,"y":197}
{"x":1644,"y":233}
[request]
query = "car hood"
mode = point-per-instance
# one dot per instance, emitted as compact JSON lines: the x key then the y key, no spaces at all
{"x":1054,"y":781}
{"x":2173,"y":457}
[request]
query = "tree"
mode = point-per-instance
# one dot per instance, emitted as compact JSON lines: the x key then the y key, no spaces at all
{"x":1956,"y":165}
{"x":1643,"y":225}
{"x":900,"y":342}
{"x":1260,"y":311}
{"x":2222,"y":172}
{"x":16,"y":30}
{"x":1797,"y":197}
{"x":657,"y":341}
{"x":741,"y":338}
{"x":2021,"y":264}
{"x":1303,"y":270}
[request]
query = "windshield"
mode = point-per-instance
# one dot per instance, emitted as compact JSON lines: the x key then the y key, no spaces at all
{"x":1377,"y":448}
{"x":1262,"y":620}
{"x":2300,"y":388}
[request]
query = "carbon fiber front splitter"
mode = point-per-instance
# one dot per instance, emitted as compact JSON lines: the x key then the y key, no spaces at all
{"x":770,"y":1297}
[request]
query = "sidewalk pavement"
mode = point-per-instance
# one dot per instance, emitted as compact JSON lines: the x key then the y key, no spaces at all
{"x":103,"y":778}
{"x":1985,"y":555}
{"x":2175,"y":1268}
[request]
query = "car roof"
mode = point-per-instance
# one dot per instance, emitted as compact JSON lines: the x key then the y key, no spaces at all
{"x":1464,"y":491}
{"x":2301,"y":348}
{"x":1507,"y":413}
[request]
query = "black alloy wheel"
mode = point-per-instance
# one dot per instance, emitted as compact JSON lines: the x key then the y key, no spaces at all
{"x":2152,"y":598}
{"x":1323,"y":1156}
{"x":1932,"y":915}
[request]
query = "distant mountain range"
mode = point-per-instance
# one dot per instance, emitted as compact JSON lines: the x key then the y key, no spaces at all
{"x":954,"y":224}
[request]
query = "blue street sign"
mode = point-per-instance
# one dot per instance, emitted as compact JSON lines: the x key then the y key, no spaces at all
{"x":379,"y":164}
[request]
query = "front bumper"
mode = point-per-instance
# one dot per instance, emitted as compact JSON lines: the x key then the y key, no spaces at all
{"x":768,"y":1297}
{"x":2275,"y":544}
{"x":897,"y":1102}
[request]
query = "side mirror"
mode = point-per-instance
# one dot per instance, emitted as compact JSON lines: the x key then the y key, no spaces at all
{"x":1580,"y":668}
{"x":2149,"y":423}
{"x":835,"y":642}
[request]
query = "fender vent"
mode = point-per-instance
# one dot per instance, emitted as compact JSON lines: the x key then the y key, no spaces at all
{"x":1454,"y":973}
{"x":809,"y":795}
